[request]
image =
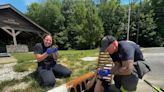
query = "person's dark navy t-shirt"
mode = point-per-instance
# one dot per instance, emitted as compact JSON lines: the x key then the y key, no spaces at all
{"x":127,"y":50}
{"x":40,"y":49}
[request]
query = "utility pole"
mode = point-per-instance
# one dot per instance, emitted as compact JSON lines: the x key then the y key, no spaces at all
{"x":138,"y":23}
{"x":129,"y":19}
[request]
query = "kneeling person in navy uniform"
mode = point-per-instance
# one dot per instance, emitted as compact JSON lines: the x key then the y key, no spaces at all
{"x":124,"y":54}
{"x":48,"y":69}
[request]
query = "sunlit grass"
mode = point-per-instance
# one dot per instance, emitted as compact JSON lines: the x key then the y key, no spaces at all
{"x":25,"y":66}
{"x":21,"y":57}
{"x":69,"y":58}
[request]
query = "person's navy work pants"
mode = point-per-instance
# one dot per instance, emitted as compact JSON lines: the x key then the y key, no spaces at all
{"x":127,"y":83}
{"x":47,"y":76}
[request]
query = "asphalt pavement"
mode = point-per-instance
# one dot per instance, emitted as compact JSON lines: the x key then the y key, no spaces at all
{"x":155,"y":59}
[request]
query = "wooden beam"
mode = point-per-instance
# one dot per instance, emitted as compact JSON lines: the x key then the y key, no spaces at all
{"x":39,"y":34}
{"x":12,"y":33}
{"x":18,"y":32}
{"x":25,"y":30}
{"x":7,"y":31}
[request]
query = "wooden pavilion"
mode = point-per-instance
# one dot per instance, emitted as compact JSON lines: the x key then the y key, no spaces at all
{"x":16,"y":28}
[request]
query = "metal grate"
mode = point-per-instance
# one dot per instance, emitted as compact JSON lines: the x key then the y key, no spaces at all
{"x":105,"y":61}
{"x":79,"y":84}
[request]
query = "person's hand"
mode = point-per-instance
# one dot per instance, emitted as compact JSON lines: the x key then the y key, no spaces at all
{"x":52,"y":50}
{"x":49,"y":50}
{"x":55,"y":50}
{"x":104,"y":72}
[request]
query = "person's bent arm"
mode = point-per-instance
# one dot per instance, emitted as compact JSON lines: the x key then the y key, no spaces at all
{"x":98,"y":86}
{"x":91,"y":82}
{"x":115,"y":68}
{"x":126,"y":68}
{"x":40,"y":57}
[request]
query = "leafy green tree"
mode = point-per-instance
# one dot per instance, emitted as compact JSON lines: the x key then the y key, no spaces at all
{"x":141,"y":19}
{"x":114,"y":18}
{"x":68,"y":12}
{"x":34,"y":12}
{"x":147,"y":32}
{"x":158,"y":7}
{"x":49,"y":16}
{"x":93,"y":28}
{"x":80,"y":16}
{"x":82,"y":24}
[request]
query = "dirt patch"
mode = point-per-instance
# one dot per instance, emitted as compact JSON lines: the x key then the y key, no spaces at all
{"x":5,"y":60}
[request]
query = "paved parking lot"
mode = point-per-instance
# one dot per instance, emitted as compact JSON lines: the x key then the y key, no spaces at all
{"x":155,"y":59}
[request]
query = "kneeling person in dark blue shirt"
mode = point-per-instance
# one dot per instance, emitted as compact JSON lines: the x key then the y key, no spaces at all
{"x":48,"y":69}
{"x":123,"y":54}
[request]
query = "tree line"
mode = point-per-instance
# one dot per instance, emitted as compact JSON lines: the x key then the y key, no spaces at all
{"x":80,"y":24}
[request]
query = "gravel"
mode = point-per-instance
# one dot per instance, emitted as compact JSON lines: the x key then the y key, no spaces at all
{"x":7,"y":72}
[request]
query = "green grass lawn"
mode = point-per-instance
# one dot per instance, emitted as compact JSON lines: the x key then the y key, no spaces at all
{"x":69,"y":58}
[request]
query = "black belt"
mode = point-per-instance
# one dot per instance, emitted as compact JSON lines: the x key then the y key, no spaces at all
{"x":48,"y":65}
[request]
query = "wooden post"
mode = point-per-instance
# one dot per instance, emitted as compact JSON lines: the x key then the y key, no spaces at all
{"x":14,"y":37}
{"x":12,"y":33}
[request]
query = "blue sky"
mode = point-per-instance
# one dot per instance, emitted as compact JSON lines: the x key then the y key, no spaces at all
{"x":22,"y":5}
{"x":125,"y":1}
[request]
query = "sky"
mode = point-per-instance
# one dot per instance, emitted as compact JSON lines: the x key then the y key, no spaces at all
{"x":22,"y":5}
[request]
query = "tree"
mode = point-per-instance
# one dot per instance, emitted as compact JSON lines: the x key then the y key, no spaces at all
{"x":68,"y":12}
{"x":142,"y":20}
{"x":93,"y":28}
{"x":114,"y":18}
{"x":49,"y":16}
{"x":158,"y":7}
{"x":34,"y":12}
{"x":147,"y":32}
{"x":82,"y":23}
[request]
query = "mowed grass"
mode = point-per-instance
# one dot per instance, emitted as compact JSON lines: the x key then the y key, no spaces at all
{"x":69,"y":58}
{"x":25,"y":62}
